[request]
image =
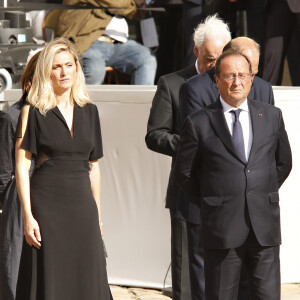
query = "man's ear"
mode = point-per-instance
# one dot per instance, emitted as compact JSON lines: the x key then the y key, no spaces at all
{"x":196,"y":51}
{"x":216,"y":79}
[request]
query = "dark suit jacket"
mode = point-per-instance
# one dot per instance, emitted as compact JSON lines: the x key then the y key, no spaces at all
{"x":162,"y":130}
{"x":197,"y":93}
{"x":235,"y":195}
{"x":201,"y":90}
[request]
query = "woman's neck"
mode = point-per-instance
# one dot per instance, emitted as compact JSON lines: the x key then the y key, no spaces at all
{"x":64,"y":99}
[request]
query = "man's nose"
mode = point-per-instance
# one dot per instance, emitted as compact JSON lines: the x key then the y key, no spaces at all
{"x":236,"y":80}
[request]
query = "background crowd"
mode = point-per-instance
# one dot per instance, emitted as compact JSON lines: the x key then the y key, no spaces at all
{"x":112,"y":37}
{"x":274,"y":25}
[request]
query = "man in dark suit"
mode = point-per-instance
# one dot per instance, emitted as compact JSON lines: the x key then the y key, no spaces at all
{"x":163,"y":137}
{"x":195,"y":94}
{"x":233,"y":157}
{"x":283,"y":17}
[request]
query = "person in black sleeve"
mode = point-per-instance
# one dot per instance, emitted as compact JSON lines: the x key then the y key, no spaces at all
{"x":11,"y":238}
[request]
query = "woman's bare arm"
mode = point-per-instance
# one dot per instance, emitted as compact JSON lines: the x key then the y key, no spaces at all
{"x":23,"y":162}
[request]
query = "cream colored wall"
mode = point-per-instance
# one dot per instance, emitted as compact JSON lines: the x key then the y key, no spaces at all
{"x":134,"y":181}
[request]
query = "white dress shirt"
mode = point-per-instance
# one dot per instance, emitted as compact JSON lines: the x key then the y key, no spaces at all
{"x":245,"y":121}
{"x":196,"y":66}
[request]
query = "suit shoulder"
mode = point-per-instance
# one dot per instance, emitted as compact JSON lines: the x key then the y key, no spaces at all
{"x":203,"y":80}
{"x":198,"y":114}
{"x":259,"y":82}
{"x":204,"y":77}
{"x":182,"y":74}
{"x":264,"y":106}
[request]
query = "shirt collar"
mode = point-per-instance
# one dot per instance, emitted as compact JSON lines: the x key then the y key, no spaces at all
{"x":196,"y":66}
{"x":227,"y":108}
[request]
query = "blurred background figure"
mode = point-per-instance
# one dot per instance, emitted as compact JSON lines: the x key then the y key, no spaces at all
{"x":255,"y":15}
{"x":11,"y":238}
{"x":169,"y":53}
{"x":101,"y":36}
{"x":283,"y":19}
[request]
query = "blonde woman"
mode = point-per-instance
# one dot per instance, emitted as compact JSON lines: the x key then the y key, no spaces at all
{"x":61,"y":129}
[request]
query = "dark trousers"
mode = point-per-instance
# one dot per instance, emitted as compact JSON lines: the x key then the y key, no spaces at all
{"x":196,"y":266}
{"x":196,"y":261}
{"x":179,"y":259}
{"x":280,"y":25}
{"x":223,"y":268}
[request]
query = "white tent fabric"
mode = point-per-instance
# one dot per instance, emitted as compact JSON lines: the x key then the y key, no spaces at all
{"x":134,"y":181}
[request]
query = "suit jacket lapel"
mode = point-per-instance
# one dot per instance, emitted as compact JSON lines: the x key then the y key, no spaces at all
{"x":218,"y":122}
{"x":257,"y":119}
{"x":190,"y":72}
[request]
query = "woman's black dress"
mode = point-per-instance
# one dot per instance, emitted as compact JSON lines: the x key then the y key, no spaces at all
{"x":70,"y":264}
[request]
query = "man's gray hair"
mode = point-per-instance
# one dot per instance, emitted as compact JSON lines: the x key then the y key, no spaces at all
{"x":212,"y":27}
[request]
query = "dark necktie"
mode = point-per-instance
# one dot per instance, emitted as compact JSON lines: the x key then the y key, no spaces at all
{"x":237,"y":134}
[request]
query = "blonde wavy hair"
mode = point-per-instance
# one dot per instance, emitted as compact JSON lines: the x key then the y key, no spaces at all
{"x":41,"y":94}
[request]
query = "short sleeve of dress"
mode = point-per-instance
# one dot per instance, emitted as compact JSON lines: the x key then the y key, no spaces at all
{"x":97,"y":151}
{"x":29,"y":140}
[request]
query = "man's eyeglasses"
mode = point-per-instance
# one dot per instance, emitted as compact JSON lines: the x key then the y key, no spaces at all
{"x":243,"y":77}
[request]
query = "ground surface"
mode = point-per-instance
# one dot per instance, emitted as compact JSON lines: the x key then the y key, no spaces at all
{"x":288,"y":292}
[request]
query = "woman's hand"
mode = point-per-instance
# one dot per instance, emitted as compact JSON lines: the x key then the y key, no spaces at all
{"x":32,"y":232}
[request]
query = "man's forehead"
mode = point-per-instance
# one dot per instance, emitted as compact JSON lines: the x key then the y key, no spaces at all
{"x":214,"y":44}
{"x":234,"y":62}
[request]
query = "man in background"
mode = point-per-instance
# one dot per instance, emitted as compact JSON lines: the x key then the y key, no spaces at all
{"x":163,"y":137}
{"x":101,"y":36}
{"x":282,"y":20}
